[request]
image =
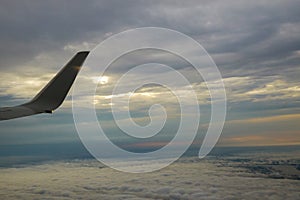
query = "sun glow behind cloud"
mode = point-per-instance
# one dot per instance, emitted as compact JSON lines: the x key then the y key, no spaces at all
{"x":239,"y":89}
{"x":100,"y":80}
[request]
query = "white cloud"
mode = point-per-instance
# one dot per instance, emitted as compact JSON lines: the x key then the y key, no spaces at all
{"x":189,"y":178}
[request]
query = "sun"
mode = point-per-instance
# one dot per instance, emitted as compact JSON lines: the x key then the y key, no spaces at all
{"x":100,"y":79}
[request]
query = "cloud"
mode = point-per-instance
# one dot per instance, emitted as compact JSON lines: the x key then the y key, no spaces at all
{"x":254,"y":44}
{"x":245,"y":38}
{"x":188,"y":178}
{"x":248,"y":29}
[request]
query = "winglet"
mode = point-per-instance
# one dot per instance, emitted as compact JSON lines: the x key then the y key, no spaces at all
{"x":54,"y":93}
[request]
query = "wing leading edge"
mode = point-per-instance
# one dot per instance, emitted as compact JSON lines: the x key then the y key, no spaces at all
{"x":52,"y":95}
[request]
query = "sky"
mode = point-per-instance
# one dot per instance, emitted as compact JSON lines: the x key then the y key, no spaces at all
{"x":256,"y":46}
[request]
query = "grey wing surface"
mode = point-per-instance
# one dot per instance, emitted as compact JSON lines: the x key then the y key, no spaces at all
{"x":52,"y":95}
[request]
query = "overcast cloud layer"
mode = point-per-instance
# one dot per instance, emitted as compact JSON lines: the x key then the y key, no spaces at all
{"x":248,"y":176}
{"x":256,"y":46}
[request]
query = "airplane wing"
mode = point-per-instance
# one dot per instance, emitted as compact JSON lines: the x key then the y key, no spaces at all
{"x":52,"y":95}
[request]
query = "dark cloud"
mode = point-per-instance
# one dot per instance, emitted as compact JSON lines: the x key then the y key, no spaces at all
{"x":246,"y":39}
{"x":31,"y":27}
{"x":254,"y":31}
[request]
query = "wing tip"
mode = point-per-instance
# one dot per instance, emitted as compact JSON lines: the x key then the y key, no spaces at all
{"x":83,"y":52}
